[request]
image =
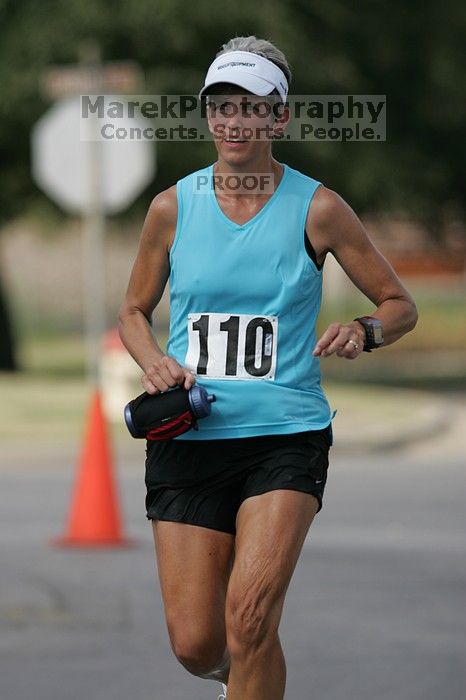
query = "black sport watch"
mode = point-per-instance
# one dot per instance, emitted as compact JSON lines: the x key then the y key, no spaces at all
{"x":374,"y":332}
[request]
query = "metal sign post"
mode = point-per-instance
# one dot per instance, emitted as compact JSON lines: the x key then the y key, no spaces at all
{"x":93,"y":231}
{"x":89,"y":177}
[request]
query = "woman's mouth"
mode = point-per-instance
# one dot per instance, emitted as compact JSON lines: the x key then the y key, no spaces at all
{"x":234,"y":143}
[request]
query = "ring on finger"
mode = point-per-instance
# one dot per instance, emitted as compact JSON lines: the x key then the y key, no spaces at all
{"x":353,"y":342}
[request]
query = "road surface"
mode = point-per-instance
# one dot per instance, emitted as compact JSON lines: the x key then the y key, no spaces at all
{"x":375,"y":610}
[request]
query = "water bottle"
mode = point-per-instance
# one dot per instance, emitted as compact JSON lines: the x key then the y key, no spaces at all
{"x":163,"y":416}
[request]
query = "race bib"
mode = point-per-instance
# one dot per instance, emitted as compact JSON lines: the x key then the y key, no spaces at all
{"x":232,"y":346}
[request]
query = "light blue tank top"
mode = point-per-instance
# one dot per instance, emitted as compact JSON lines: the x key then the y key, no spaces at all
{"x":244,"y":300}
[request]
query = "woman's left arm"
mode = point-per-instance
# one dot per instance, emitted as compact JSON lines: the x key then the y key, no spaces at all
{"x":333,"y":227}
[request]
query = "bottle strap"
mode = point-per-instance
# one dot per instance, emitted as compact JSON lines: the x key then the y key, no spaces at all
{"x":180,"y":424}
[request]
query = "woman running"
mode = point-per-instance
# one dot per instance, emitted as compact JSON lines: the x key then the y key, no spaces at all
{"x":231,"y":503}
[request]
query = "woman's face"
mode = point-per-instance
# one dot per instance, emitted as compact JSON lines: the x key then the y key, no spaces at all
{"x":243,"y":125}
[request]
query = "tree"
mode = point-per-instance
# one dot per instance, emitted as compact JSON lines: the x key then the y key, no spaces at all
{"x":412,"y":52}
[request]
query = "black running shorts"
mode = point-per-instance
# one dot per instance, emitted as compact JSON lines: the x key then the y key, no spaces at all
{"x":204,"y":482}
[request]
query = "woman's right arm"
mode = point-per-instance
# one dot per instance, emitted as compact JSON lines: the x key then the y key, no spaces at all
{"x":147,"y":282}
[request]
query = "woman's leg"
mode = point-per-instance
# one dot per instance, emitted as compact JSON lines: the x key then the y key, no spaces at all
{"x":194,"y":565}
{"x":271,"y":529}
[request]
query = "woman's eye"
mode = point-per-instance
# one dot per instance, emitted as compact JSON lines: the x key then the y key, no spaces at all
{"x":224,"y":108}
{"x":216,"y":106}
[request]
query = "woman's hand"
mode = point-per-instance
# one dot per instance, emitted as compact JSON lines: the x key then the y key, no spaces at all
{"x":166,"y":373}
{"x":344,"y":339}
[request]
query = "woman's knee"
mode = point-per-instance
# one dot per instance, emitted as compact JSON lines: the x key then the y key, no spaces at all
{"x":201,"y":653}
{"x":252,"y":621}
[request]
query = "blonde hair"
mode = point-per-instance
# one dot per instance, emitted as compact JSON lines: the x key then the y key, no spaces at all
{"x":261,"y":47}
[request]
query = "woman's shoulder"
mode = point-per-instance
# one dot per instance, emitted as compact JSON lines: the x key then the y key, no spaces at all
{"x":302,"y":178}
{"x":200,"y":172}
{"x":164,"y":206}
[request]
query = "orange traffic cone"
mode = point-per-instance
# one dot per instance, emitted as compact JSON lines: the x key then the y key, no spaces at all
{"x":94,"y":519}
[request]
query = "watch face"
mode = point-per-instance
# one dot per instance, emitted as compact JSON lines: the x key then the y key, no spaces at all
{"x":378,"y":334}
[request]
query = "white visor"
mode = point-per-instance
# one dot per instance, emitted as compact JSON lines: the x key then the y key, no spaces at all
{"x":248,"y":70}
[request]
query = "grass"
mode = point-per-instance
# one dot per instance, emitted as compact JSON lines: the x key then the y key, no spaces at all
{"x":49,"y":398}
{"x":41,"y":408}
{"x":441,"y":327}
{"x":44,"y":409}
{"x":441,"y":324}
{"x":54,"y":354}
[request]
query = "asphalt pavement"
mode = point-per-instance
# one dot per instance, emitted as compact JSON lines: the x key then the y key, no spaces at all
{"x":375,"y":610}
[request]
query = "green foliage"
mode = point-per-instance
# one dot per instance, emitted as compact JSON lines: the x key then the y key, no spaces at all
{"x":412,"y":52}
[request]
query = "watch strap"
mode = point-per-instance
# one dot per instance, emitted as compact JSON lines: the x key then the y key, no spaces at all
{"x":367,"y":322}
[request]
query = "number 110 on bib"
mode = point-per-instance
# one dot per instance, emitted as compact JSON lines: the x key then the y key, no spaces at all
{"x":232,"y":346}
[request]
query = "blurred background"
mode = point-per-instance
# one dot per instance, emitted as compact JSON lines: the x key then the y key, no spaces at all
{"x":396,"y":498}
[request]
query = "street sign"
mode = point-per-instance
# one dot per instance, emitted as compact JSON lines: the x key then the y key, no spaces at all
{"x":60,"y":161}
{"x":115,"y":76}
{"x":91,"y":178}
